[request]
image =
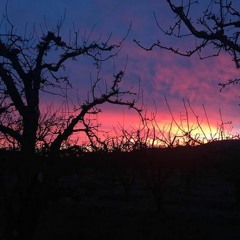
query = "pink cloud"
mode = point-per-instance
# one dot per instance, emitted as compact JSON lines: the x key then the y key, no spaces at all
{"x":164,"y":74}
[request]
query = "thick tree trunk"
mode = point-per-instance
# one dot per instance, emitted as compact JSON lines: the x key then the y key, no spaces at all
{"x":30,"y":126}
{"x":24,"y":208}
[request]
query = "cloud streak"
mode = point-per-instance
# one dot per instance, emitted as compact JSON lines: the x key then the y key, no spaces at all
{"x":161,"y":73}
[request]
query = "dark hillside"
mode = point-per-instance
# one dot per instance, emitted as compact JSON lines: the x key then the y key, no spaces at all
{"x":157,"y":193}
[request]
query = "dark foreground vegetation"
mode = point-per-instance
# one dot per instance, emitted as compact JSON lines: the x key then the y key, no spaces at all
{"x":190,"y":192}
{"x":155,"y":193}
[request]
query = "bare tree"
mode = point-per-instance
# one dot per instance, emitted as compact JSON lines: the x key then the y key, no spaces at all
{"x":216,"y":30}
{"x":31,"y":65}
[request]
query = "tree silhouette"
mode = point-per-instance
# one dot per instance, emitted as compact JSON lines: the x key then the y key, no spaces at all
{"x":215,"y":31}
{"x":31,"y":65}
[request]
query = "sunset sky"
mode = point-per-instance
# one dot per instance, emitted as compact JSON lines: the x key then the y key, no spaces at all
{"x":161,"y":73}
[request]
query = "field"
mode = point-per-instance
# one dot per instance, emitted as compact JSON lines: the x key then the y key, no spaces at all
{"x":182,"y":193}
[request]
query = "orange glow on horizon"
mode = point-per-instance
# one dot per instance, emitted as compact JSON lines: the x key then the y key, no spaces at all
{"x":159,"y":133}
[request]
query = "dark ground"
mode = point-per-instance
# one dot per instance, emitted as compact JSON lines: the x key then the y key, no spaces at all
{"x":97,"y":208}
{"x":122,"y":200}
